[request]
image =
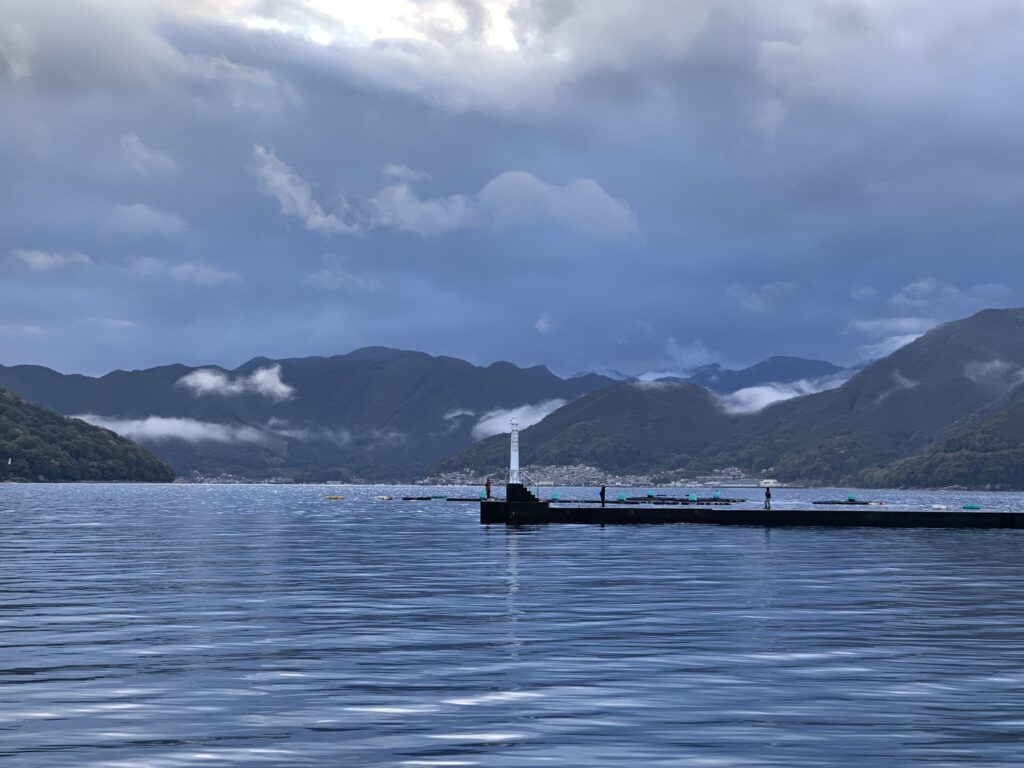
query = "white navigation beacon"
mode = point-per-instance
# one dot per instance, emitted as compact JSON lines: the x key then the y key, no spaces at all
{"x":513,"y":459}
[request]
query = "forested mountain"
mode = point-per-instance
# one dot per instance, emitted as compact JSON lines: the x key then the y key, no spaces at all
{"x":627,"y":427}
{"x":910,"y":401}
{"x":38,"y":445}
{"x":373,"y":414}
{"x":726,"y":381}
{"x":988,"y":452}
{"x":934,"y":412}
{"x":774,"y":370}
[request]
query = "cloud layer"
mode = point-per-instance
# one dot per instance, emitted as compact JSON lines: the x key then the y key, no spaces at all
{"x":162,"y":428}
{"x":513,"y":198}
{"x":265,"y":382}
{"x":42,"y":261}
{"x":580,"y":184}
{"x":753,"y":399}
{"x":498,"y":421}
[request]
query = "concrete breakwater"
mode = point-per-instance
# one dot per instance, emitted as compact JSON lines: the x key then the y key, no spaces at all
{"x":520,"y":507}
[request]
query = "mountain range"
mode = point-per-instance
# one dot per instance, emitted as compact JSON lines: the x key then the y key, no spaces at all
{"x":952,"y":388}
{"x":946,"y":409}
{"x":775,"y":370}
{"x":373,"y":414}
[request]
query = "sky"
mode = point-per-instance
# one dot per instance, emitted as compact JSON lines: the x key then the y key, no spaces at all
{"x":652,"y":185}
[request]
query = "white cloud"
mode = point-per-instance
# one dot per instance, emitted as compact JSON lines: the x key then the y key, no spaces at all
{"x":517,"y":197}
{"x":930,"y":291}
{"x":654,"y":377}
{"x":143,"y":159}
{"x":293,"y":194}
{"x":995,"y":373}
{"x":188,"y":272}
{"x":43,"y":260}
{"x":544,"y":324}
{"x":496,"y":422}
{"x":398,"y":207}
{"x":512,"y":55}
{"x":513,"y":198}
{"x":894,"y":55}
{"x":15,"y":51}
{"x":886,"y":346}
{"x":504,"y":54}
{"x":161,"y":428}
{"x":281,"y":427}
{"x":241,"y":87}
{"x":900,"y":382}
{"x":752,"y":399}
{"x":266,"y":382}
{"x":687,"y":357}
{"x":458,"y":413}
{"x":654,"y":380}
{"x":890,"y":326}
{"x":399,"y":172}
{"x":760,"y":299}
{"x":924,"y":292}
{"x":896,"y":332}
{"x":139,"y":220}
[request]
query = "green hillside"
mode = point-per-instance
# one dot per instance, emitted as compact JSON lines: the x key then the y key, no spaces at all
{"x":38,"y":445}
{"x":897,"y":406}
{"x":988,"y":454}
{"x":373,"y":414}
{"x":904,"y":404}
{"x":628,"y":427}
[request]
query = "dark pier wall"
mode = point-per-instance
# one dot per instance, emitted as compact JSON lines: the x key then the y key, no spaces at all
{"x":524,"y":512}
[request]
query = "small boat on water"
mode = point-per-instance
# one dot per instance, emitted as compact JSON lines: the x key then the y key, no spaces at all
{"x":334,"y":498}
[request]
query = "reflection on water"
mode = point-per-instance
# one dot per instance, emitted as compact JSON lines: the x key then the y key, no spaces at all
{"x":212,"y":625}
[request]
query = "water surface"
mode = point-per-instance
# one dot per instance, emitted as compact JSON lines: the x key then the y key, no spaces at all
{"x":264,"y":625}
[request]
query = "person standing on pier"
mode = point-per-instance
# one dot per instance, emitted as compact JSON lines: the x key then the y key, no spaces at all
{"x":767,"y":497}
{"x":602,"y":495}
{"x":487,"y":487}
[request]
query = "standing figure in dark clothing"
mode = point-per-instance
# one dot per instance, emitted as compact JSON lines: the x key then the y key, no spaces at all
{"x":602,"y":495}
{"x":767,"y":497}
{"x":487,"y":487}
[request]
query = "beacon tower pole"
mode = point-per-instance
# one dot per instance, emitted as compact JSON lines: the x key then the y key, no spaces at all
{"x":513,"y":459}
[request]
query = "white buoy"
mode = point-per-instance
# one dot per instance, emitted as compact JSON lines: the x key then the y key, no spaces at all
{"x":513,"y":459}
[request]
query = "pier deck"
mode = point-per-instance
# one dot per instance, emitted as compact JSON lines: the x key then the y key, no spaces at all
{"x":524,"y":511}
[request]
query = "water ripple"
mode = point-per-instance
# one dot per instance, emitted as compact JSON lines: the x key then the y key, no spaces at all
{"x":173,"y":626}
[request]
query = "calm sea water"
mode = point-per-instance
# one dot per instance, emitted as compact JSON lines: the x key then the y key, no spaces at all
{"x":265,"y":626}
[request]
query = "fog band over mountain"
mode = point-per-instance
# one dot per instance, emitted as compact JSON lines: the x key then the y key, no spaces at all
{"x":496,"y":422}
{"x":160,"y":428}
{"x":753,"y":399}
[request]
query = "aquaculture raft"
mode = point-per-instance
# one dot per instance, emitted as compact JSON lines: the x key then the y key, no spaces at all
{"x":521,"y":507}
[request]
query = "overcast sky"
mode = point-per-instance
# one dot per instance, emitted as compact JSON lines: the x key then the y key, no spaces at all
{"x":580,"y":183}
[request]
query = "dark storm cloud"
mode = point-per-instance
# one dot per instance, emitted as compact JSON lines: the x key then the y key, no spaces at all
{"x":637,"y":186}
